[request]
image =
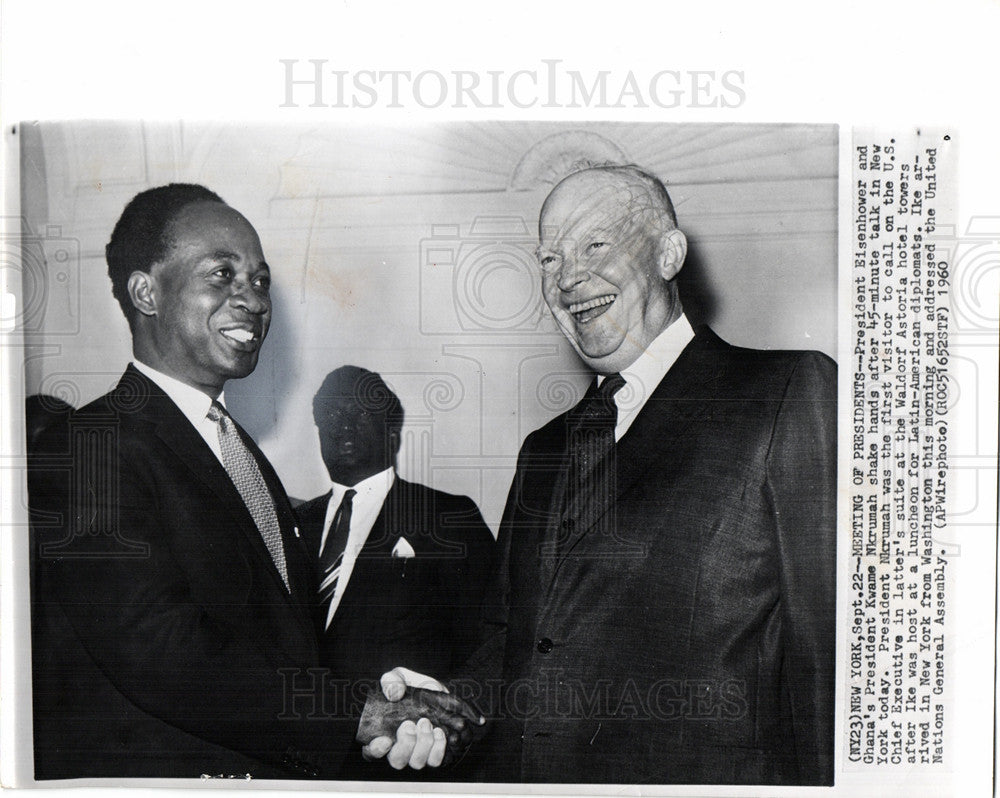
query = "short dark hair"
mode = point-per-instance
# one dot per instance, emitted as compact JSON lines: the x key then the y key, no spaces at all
{"x":142,"y":235}
{"x":365,"y":388}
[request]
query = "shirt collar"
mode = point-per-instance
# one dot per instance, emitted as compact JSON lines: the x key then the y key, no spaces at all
{"x":193,"y":403}
{"x":375,"y":487}
{"x":651,"y":366}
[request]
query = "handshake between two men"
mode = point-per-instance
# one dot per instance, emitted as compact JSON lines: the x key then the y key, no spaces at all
{"x":415,"y":722}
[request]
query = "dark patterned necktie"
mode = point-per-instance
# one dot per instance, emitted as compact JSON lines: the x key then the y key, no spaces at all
{"x":331,"y":558}
{"x":590,"y":478}
{"x":243,"y":470}
{"x":592,"y":429}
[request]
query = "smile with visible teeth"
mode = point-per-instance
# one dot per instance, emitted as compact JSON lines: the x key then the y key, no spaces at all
{"x":596,"y":302}
{"x":592,"y":308}
{"x":238,"y":334}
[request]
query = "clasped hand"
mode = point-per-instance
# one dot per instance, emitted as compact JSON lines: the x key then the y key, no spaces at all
{"x":414,"y":721}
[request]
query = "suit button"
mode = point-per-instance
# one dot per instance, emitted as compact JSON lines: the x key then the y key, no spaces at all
{"x":567,"y":523}
{"x":544,"y":646}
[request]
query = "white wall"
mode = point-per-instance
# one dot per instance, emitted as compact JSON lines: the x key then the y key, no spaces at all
{"x":359,"y":224}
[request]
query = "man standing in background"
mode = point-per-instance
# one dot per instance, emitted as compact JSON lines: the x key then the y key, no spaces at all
{"x":401,"y":568}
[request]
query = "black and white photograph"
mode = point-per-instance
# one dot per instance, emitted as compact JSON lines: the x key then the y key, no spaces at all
{"x":537,"y":413}
{"x":427,"y":401}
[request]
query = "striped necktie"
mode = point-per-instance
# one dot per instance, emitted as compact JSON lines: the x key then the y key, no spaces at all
{"x":244,"y":471}
{"x":331,"y":558}
{"x":591,"y":476}
{"x":592,"y":429}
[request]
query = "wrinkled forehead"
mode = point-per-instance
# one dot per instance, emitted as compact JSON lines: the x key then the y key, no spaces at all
{"x":592,"y":202}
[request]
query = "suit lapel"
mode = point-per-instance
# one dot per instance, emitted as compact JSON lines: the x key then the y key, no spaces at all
{"x":674,"y":404}
{"x":378,"y":538}
{"x":176,"y":432}
{"x":286,"y":523}
{"x":550,"y":549}
{"x":312,"y":518}
{"x":684,"y":394}
{"x":298,"y":563}
{"x":407,"y":512}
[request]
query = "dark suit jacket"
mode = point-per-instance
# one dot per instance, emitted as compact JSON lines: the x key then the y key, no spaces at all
{"x":421,"y":612}
{"x":681,"y":629}
{"x":164,"y":641}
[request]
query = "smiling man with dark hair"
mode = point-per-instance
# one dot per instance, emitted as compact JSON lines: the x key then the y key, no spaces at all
{"x":171,"y":608}
{"x":141,"y":236}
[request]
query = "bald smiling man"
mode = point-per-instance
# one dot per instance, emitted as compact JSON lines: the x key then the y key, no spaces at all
{"x":665,"y":605}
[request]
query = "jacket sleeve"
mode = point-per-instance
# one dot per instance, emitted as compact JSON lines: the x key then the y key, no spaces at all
{"x":802,"y":480}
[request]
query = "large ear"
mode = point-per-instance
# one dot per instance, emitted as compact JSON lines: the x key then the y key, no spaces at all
{"x":140,"y":291}
{"x":673,"y":251}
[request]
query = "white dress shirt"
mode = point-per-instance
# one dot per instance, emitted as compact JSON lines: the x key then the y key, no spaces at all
{"x":367,"y":504}
{"x":193,"y":404}
{"x":642,"y":376}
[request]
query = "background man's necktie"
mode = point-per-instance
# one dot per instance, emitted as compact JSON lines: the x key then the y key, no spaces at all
{"x":245,"y":474}
{"x":331,"y":558}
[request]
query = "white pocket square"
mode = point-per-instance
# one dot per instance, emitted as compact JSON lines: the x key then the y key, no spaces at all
{"x":403,"y":549}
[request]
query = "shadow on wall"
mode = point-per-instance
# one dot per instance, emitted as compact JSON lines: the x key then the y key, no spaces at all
{"x":698,"y":297}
